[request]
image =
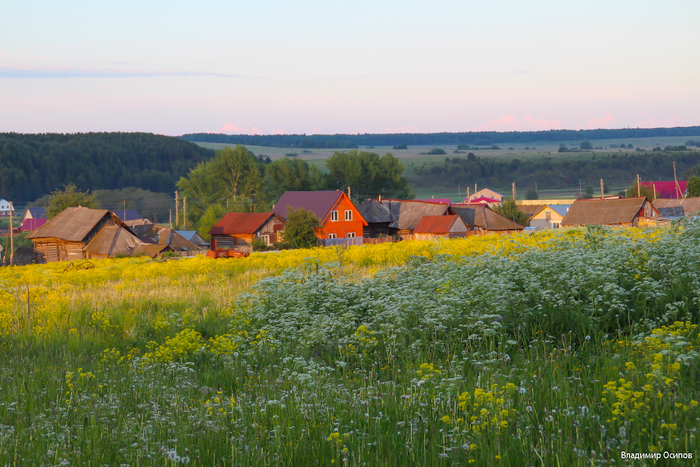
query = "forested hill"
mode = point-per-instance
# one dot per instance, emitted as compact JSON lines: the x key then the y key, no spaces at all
{"x":32,"y":165}
{"x":479,"y":138}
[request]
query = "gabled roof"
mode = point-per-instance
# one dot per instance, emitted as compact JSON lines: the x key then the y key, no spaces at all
{"x":437,"y":200}
{"x":318,"y":202}
{"x":667,"y":189}
{"x":36,"y":213}
{"x":73,"y":224}
{"x":530,"y":209}
{"x":483,"y":200}
{"x":113,"y":240}
{"x":560,"y":209}
{"x":242,"y":223}
{"x":484,"y":217}
{"x":405,"y":215}
{"x":677,"y":207}
{"x":128,"y":215}
{"x":605,"y":211}
{"x":436,"y":224}
{"x":155,"y":234}
{"x":374,"y":211}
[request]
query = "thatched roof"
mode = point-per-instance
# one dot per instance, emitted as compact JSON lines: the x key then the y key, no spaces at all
{"x":73,"y":224}
{"x":604,"y":211}
{"x":484,"y":217}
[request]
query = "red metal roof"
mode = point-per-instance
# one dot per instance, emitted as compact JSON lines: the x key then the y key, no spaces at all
{"x":667,"y":189}
{"x":318,"y":202}
{"x":435,"y":224}
{"x":238,"y":223}
{"x":482,"y":199}
{"x":32,"y":224}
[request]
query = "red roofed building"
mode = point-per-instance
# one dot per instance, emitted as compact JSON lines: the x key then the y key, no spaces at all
{"x":667,"y":189}
{"x":440,"y":227}
{"x":238,"y":230}
{"x":341,"y":222}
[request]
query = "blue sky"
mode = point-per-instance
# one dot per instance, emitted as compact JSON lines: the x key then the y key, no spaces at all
{"x":337,"y":67}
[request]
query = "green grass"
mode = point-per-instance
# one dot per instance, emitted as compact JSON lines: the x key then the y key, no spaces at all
{"x":522,"y":356}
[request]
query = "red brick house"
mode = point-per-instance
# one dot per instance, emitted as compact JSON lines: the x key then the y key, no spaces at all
{"x":341,"y":222}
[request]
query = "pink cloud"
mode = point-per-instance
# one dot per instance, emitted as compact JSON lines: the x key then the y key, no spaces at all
{"x":604,"y":122}
{"x":247,"y":129}
{"x":510,"y":123}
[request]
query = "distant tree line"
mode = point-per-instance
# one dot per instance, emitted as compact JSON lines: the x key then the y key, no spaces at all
{"x":479,"y":138}
{"x":32,"y":166}
{"x":552,"y":173}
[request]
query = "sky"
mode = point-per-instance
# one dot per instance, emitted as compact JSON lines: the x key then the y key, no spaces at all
{"x":269,"y":67}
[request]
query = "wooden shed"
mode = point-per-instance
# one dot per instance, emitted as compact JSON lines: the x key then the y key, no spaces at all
{"x":482,"y":219}
{"x":64,"y":237}
{"x":238,"y":230}
{"x":378,"y":219}
{"x":431,"y":227}
{"x":405,"y":215}
{"x":614,"y":212}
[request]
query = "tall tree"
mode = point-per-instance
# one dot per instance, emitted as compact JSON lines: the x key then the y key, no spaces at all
{"x":292,"y":175}
{"x":68,"y":198}
{"x":368,"y":175}
{"x":510,"y":210}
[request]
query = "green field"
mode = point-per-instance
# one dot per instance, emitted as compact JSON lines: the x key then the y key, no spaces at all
{"x":566,"y":347}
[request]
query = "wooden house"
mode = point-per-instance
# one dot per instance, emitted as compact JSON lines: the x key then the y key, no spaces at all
{"x":548,"y":217}
{"x":238,"y":230}
{"x":406,"y":214}
{"x":30,"y":225}
{"x":431,"y":227}
{"x":481,"y":219}
{"x":64,"y":237}
{"x":677,"y":207}
{"x":341,"y":221}
{"x":614,"y":212}
{"x":194,"y":237}
{"x":378,"y":219}
{"x":113,"y":240}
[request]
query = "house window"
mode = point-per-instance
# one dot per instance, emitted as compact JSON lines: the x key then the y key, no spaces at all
{"x":351,"y":234}
{"x":548,"y":216}
{"x":333,"y":235}
{"x":348,"y":215}
{"x":265,"y":239}
{"x":334,"y":216}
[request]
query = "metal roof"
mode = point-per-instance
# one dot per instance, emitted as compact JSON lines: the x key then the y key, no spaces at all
{"x":318,"y":202}
{"x":37,"y":212}
{"x":436,"y":224}
{"x":73,"y":224}
{"x":484,"y":217}
{"x":406,"y":214}
{"x":128,"y":214}
{"x":154,"y":233}
{"x":530,"y":209}
{"x":374,"y":211}
{"x":667,"y":189}
{"x":242,"y":223}
{"x":681,"y":207}
{"x":604,"y":211}
{"x":33,"y":224}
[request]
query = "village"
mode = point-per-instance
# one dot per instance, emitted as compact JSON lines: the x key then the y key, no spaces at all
{"x":80,"y":233}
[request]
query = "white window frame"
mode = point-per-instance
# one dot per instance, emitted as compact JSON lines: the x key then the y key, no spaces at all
{"x":265,"y":239}
{"x":332,"y":235}
{"x":351,"y":235}
{"x":334,"y":216}
{"x":348,"y":214}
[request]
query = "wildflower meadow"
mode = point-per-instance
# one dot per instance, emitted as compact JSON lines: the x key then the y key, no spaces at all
{"x":567,"y":347}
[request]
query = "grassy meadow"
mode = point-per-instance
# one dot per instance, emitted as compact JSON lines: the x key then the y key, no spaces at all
{"x":566,"y":347}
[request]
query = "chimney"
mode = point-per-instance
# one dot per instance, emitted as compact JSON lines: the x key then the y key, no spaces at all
{"x":380,"y":198}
